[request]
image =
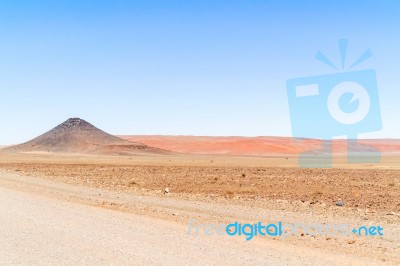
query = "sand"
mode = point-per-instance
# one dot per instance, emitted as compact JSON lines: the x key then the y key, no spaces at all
{"x":224,"y":188}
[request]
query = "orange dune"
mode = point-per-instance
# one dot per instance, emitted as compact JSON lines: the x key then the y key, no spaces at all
{"x":253,"y":145}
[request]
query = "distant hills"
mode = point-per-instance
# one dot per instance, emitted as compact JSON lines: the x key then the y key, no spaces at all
{"x":256,"y":145}
{"x":75,"y":135}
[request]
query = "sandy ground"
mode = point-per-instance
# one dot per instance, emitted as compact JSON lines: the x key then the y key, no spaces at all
{"x":253,"y":145}
{"x":39,"y":230}
{"x":72,"y":210}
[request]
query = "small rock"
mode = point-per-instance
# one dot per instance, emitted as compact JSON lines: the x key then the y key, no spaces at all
{"x":340,"y":203}
{"x":351,"y":241}
{"x":167,"y":190}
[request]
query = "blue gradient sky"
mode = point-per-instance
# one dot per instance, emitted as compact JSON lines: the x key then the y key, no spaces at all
{"x":181,"y":67}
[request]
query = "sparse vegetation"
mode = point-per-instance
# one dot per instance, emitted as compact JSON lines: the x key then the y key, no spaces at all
{"x":132,"y":183}
{"x":270,"y":182}
{"x":318,"y":193}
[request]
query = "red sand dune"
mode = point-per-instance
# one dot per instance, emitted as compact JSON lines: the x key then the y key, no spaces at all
{"x":252,"y":145}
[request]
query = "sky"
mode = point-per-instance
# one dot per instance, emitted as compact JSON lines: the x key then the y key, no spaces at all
{"x":200,"y":67}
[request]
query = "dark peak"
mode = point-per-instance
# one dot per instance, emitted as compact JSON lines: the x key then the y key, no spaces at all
{"x":76,"y":123}
{"x":76,"y":135}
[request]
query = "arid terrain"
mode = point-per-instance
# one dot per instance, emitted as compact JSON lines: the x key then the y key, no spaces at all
{"x":374,"y":188}
{"x":76,"y":135}
{"x":214,"y":189}
{"x":146,"y":186}
{"x":262,"y":146}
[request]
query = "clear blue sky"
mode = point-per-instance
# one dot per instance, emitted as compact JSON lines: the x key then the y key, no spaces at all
{"x":181,"y":67}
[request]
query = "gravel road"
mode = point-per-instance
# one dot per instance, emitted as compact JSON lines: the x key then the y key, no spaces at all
{"x":38,"y":230}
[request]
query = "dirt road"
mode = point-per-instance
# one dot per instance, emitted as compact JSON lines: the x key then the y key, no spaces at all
{"x":42,"y":223}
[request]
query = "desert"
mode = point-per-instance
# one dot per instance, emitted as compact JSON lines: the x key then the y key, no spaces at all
{"x":149,"y":182}
{"x":222,"y":132}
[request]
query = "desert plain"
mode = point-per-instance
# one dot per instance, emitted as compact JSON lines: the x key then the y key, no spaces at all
{"x":109,"y":205}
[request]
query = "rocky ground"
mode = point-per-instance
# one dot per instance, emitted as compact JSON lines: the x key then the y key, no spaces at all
{"x":213,"y":190}
{"x":372,"y":189}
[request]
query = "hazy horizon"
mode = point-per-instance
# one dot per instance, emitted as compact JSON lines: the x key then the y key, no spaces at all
{"x":195,"y":136}
{"x":205,"y":68}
